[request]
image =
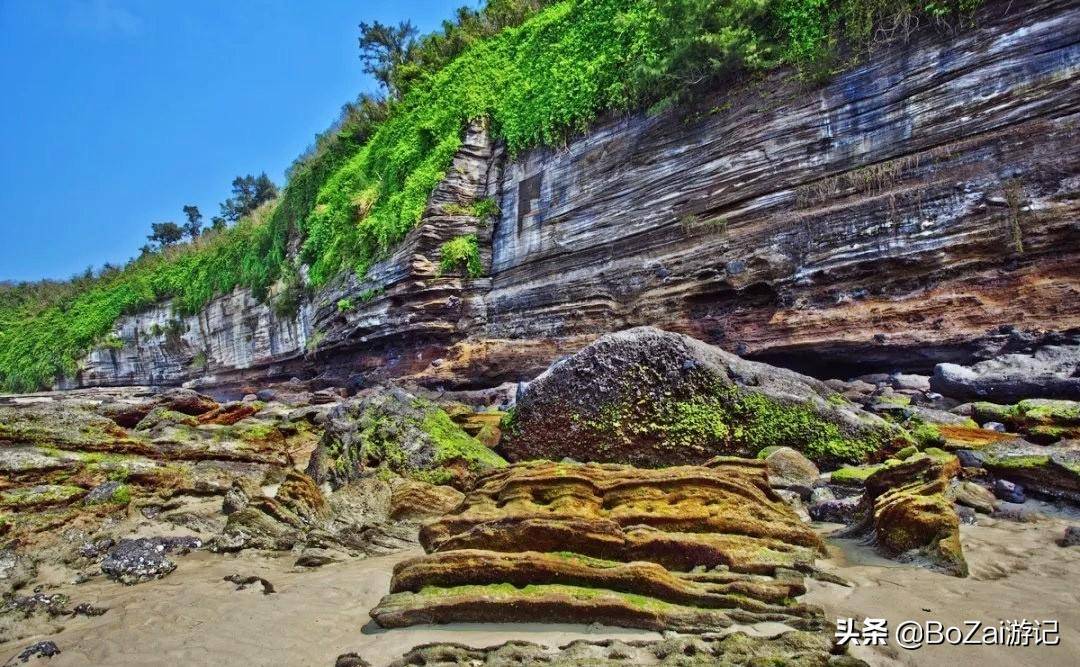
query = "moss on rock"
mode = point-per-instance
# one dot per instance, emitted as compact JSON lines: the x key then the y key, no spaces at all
{"x":655,"y":398}
{"x":393,"y":429}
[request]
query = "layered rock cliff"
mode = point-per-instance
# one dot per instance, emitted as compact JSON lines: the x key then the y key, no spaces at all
{"x":898,"y":216}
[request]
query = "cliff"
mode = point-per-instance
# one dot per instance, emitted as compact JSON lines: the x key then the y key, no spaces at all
{"x":899,"y":215}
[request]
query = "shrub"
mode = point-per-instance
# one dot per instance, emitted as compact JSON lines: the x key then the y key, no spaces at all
{"x":461,"y":253}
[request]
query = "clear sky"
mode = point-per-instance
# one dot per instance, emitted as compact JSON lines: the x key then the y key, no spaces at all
{"x":116,"y":113}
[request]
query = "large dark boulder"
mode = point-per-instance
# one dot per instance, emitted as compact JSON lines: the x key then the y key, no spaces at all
{"x":655,"y":398}
{"x":1050,"y":372}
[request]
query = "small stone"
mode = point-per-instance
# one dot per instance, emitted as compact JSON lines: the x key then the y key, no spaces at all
{"x":1071,"y":538}
{"x":351,"y":660}
{"x":994,"y":426}
{"x":250,"y":398}
{"x":835,"y":511}
{"x":102,"y":493}
{"x":314,"y":557}
{"x":970,"y":494}
{"x":1009,"y":491}
{"x":265,"y":395}
{"x":966,"y":515}
{"x":45,"y":649}
{"x":821,"y":494}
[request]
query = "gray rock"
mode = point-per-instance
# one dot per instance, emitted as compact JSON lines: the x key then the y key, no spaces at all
{"x":821,"y":494}
{"x":994,"y":426}
{"x":1050,"y":372}
{"x":16,"y":571}
{"x":265,"y":395}
{"x":102,"y":493}
{"x":969,"y":458}
{"x":235,"y":499}
{"x":970,"y":494}
{"x":841,"y":510}
{"x":618,"y":401}
{"x":794,"y":500}
{"x":143,"y":559}
{"x":1008,"y":491}
{"x":906,"y":381}
{"x":788,"y":469}
{"x":1071,"y":538}
{"x":316,"y":557}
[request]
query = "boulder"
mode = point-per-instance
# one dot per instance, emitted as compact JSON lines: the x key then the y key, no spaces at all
{"x":1052,"y":371}
{"x":393,"y":429}
{"x":904,"y":511}
{"x":788,"y":469}
{"x":652,"y":398}
{"x":835,"y":510}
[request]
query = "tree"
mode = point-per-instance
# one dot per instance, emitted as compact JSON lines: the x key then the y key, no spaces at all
{"x":166,"y":234}
{"x":383,"y":48}
{"x":217,"y":223}
{"x":249,"y":193}
{"x":193,"y":226}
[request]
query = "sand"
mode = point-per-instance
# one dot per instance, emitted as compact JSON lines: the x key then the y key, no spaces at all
{"x":1017,"y":572}
{"x":193,"y":617}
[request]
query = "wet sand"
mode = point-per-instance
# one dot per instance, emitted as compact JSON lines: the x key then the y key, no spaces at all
{"x":194,"y":617}
{"x":1017,"y":572}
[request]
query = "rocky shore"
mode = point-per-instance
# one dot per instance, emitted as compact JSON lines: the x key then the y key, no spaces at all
{"x":650,"y":498}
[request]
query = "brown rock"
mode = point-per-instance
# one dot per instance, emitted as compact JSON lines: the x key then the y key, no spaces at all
{"x":413,"y":499}
{"x":905,"y":509}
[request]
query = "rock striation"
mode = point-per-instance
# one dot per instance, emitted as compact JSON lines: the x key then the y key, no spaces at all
{"x":898,"y":216}
{"x":906,"y":512}
{"x":686,"y":548}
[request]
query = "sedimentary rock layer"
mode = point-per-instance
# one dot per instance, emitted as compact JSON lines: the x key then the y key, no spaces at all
{"x":688,"y":548}
{"x":900,"y":214}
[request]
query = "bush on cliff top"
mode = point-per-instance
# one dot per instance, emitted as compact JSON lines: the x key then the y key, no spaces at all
{"x":364,"y":189}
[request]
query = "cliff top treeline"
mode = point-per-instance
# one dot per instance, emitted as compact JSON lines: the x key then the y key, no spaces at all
{"x":537,"y":71}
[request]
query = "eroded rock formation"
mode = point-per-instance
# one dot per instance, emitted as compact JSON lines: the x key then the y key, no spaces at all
{"x":686,"y":548}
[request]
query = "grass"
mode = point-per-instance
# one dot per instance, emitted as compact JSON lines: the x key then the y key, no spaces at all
{"x":537,"y":83}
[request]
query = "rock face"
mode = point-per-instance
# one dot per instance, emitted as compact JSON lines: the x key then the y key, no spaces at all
{"x":1051,"y":372}
{"x":899,"y":215}
{"x":905,"y":511}
{"x":684,"y":548}
{"x":652,"y":398}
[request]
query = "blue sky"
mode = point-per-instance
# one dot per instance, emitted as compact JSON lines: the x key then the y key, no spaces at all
{"x":117,"y":113}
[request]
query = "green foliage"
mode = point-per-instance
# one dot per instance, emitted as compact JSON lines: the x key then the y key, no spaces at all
{"x":344,"y":305}
{"x":536,"y":73}
{"x":461,"y":253}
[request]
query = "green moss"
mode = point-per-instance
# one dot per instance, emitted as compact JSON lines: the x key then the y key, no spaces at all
{"x":40,"y":495}
{"x":452,"y":443}
{"x":925,"y":434}
{"x":854,"y":476}
{"x":907,"y":452}
{"x":344,"y":305}
{"x":509,"y":591}
{"x":1034,"y":461}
